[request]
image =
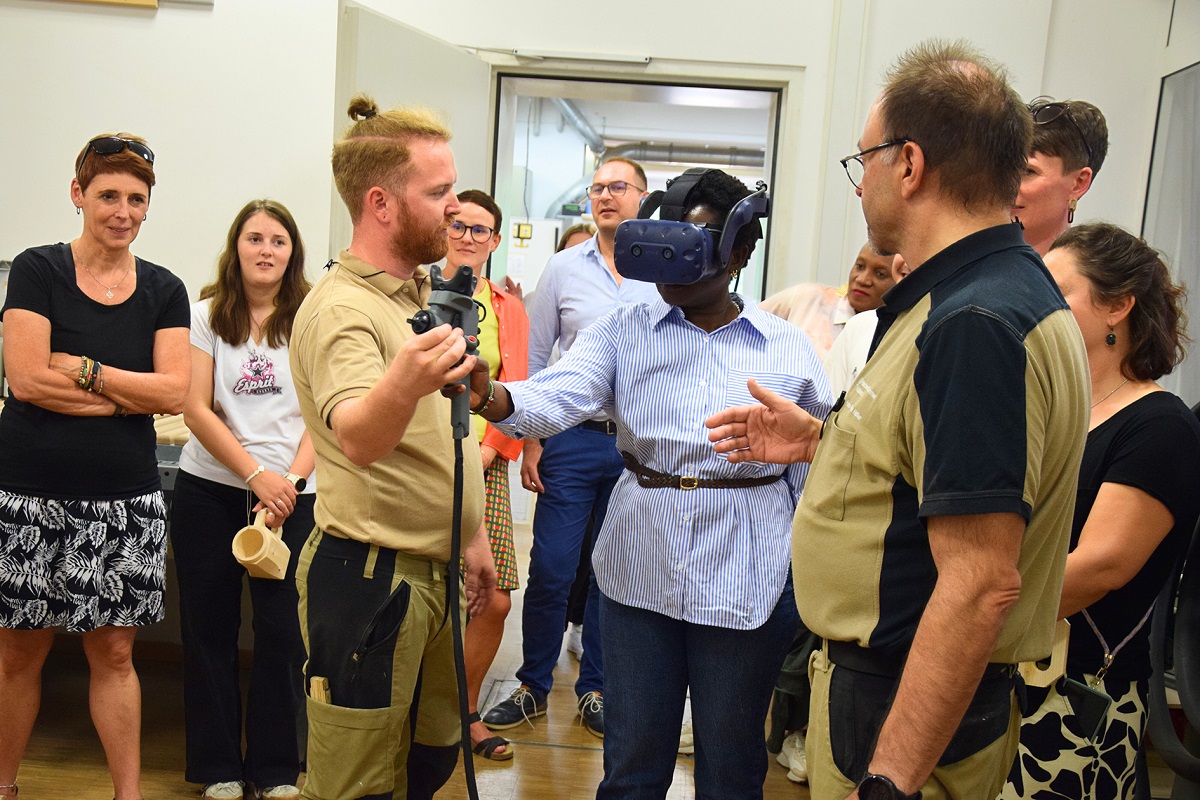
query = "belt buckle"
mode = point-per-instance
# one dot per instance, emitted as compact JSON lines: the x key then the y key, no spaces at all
{"x":688,"y":482}
{"x":610,"y":427}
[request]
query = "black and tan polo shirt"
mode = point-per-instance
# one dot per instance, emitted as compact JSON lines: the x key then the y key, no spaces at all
{"x":975,"y":401}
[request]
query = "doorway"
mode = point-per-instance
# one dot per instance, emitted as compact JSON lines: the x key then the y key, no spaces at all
{"x":552,"y":133}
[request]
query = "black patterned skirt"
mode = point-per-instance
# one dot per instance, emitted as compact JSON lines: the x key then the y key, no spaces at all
{"x":81,"y":564}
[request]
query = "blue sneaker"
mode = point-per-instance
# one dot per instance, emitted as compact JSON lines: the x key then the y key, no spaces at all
{"x":591,"y":713}
{"x":521,"y":706}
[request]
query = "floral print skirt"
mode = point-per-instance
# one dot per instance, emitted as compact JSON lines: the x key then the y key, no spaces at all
{"x":81,"y":564}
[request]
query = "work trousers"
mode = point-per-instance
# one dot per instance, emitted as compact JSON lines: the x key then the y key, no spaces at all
{"x":383,"y":696}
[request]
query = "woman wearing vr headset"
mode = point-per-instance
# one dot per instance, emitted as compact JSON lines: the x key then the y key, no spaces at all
{"x":96,"y":340}
{"x":692,"y":559}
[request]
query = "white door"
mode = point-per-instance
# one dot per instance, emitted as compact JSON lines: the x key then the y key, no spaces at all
{"x":399,"y":65}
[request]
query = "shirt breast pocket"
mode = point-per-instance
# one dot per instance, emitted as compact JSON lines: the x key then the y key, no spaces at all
{"x":737,"y":393}
{"x":829,"y":479}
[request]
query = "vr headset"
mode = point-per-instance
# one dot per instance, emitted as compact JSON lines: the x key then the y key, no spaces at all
{"x":668,"y":250}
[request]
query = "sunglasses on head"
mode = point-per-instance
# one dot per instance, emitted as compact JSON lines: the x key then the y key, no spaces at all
{"x":111,"y":145}
{"x":1046,"y":111}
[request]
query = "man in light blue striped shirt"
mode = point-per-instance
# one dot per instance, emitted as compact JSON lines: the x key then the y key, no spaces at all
{"x":578,"y":468}
{"x":692,"y":559}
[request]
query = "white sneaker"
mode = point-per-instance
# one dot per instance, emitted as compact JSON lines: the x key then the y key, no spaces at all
{"x":227,"y":790}
{"x":575,"y":641}
{"x":792,"y":756}
{"x":283,"y":792}
{"x":687,"y":743}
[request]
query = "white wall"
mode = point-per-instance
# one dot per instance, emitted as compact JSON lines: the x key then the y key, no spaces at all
{"x":233,"y":98}
{"x":237,"y":98}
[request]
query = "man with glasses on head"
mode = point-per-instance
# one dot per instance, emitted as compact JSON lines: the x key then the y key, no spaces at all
{"x":576,"y":470}
{"x":1070,"y":141}
{"x":930,"y":540}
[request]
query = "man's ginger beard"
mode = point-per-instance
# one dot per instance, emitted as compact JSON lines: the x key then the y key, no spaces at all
{"x":412,"y":243}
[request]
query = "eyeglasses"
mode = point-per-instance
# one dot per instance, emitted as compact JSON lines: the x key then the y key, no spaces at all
{"x":616,"y":189}
{"x":479,"y":233}
{"x":111,"y":145}
{"x":1045,"y":113}
{"x":854,"y":165}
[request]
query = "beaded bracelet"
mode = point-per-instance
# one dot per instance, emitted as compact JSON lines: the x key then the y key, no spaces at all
{"x":85,"y":370}
{"x":486,"y":403}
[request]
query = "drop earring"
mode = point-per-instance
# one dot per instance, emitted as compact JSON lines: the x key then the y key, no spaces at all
{"x":1071,"y":210}
{"x":78,"y":210}
{"x":1111,"y":339}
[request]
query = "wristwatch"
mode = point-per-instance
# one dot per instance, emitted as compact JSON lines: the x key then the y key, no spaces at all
{"x":879,"y":787}
{"x":296,"y":480}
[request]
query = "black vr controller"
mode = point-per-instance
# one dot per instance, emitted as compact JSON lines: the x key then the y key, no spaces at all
{"x":669,"y":250}
{"x":452,"y":303}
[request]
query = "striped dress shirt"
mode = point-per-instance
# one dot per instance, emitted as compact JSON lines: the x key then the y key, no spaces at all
{"x":707,"y":556}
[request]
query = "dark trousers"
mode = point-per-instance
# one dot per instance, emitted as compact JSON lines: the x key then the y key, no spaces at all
{"x":579,"y":469}
{"x":651,"y":661}
{"x":577,"y":600}
{"x":205,"y":517}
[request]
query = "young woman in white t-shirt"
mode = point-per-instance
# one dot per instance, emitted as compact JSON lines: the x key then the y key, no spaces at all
{"x":249,"y":451}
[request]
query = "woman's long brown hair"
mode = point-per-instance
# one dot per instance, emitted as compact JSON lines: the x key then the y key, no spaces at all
{"x":230,"y":312}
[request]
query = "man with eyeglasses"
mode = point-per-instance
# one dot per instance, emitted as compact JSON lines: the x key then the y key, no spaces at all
{"x":930,"y":541}
{"x":576,"y":470}
{"x":1070,"y":141}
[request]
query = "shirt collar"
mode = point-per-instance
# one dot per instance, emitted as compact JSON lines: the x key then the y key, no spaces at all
{"x":385,"y":282}
{"x":754,"y":316}
{"x":949,"y":262}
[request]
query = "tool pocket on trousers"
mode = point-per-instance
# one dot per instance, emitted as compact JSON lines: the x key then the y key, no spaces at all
{"x":986,"y":720}
{"x":351,"y":752}
{"x":370,"y":672}
{"x":858,"y":703}
{"x":827,"y":496}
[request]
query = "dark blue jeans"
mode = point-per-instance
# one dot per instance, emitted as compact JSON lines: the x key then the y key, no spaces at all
{"x":578,"y":469}
{"x":652,"y":661}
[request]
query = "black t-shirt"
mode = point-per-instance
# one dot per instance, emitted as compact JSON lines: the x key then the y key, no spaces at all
{"x":1153,"y":444}
{"x":47,"y":454}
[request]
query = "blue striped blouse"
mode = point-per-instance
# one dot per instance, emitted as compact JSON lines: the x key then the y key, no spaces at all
{"x":706,"y":556}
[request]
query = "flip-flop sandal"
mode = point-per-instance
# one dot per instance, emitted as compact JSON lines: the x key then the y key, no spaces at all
{"x":487,"y":749}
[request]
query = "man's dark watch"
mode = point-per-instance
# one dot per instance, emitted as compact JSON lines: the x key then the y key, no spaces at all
{"x":879,"y":787}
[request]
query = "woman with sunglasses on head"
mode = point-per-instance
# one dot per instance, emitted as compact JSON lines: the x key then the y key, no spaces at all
{"x":95,"y":342}
{"x":1134,"y":514}
{"x":249,"y":452}
{"x":504,"y":342}
{"x":1070,"y":142}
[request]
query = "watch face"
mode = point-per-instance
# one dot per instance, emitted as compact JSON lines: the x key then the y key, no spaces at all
{"x":877,"y":787}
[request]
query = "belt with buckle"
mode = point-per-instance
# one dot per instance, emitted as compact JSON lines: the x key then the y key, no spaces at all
{"x":606,"y":426}
{"x":652,"y":479}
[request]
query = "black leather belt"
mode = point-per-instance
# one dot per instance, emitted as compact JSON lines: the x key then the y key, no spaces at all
{"x":652,"y":479}
{"x":889,"y":662}
{"x":606,"y":427}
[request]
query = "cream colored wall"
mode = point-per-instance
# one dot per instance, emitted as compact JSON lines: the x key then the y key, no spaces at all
{"x":234,"y":99}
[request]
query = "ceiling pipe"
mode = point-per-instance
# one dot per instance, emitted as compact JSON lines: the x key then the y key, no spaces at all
{"x":663,"y":154}
{"x":579,"y":122}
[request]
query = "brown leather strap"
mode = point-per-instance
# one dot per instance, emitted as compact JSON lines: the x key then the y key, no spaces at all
{"x":651,"y":479}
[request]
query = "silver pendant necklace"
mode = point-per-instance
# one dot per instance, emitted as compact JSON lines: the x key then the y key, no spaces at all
{"x":1110,"y":394}
{"x":108,"y":289}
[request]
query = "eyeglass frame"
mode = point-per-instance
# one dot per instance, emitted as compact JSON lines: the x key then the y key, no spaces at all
{"x":137,"y":148}
{"x":471,"y":228}
{"x":596,"y":195}
{"x":858,"y":157}
{"x":1063,"y":107}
